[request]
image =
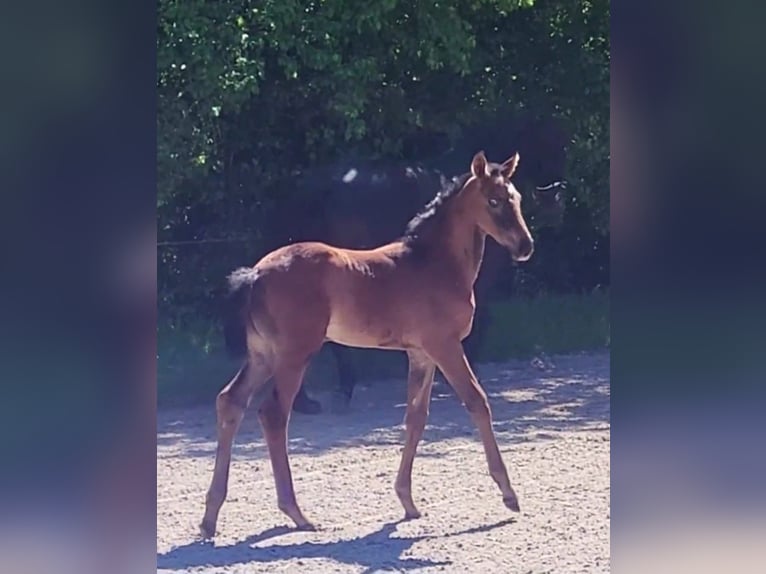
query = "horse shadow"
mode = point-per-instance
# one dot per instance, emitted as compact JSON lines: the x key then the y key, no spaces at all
{"x":376,"y":551}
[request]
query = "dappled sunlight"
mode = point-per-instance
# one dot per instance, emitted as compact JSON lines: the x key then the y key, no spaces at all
{"x":571,"y":394}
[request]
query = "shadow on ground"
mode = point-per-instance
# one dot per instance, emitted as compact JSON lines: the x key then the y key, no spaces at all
{"x":527,"y":400}
{"x":375,"y":551}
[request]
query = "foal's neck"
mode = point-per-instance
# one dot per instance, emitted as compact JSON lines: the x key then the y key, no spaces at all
{"x":454,"y":244}
{"x":465,"y":243}
{"x":457,"y":246}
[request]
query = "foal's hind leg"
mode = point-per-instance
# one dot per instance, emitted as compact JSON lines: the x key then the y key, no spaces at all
{"x":453,"y":363}
{"x":230,"y":408}
{"x":274,"y":414}
{"x":420,"y":380}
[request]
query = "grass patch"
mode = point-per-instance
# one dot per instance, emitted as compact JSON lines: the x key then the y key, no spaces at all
{"x":192,"y":365}
{"x":557,"y":324}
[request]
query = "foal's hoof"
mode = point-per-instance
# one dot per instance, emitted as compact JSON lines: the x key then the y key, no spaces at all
{"x":306,"y":527}
{"x":412,"y":514}
{"x":512,"y":503}
{"x":207,"y":530}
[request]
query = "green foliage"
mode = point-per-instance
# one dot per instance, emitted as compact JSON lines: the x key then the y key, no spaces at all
{"x":293,"y":80}
{"x":276,"y":85}
{"x":552,"y":324}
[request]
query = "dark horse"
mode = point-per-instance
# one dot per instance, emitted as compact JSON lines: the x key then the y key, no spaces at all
{"x":413,"y":294}
{"x":361,"y":204}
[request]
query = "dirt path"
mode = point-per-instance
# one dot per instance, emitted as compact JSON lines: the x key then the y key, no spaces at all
{"x":552,"y":423}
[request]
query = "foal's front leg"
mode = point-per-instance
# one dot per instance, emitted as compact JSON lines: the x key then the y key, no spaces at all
{"x":420,"y":380}
{"x":452,"y":361}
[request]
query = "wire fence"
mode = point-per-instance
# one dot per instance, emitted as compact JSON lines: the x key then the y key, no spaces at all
{"x":204,"y":241}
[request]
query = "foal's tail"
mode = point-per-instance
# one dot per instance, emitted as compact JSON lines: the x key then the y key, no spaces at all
{"x":237,"y":311}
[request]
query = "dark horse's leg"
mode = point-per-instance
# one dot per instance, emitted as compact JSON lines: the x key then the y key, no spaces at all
{"x":492,"y":272}
{"x":346,"y":376}
{"x":475,"y":340}
{"x":305,"y":404}
{"x":347,"y":380}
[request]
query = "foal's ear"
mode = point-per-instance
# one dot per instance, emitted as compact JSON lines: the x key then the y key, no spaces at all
{"x":479,"y":167}
{"x":510,"y":165}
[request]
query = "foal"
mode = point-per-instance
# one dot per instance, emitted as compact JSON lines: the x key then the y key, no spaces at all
{"x":414,"y":294}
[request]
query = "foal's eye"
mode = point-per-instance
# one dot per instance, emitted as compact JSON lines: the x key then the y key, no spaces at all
{"x":493,"y":202}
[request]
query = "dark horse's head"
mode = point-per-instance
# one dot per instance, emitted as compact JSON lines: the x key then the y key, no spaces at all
{"x":540,"y":178}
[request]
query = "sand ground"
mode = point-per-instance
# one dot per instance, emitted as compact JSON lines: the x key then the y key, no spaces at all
{"x":551,"y":418}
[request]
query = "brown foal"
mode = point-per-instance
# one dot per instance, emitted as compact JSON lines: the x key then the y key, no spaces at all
{"x":414,"y":294}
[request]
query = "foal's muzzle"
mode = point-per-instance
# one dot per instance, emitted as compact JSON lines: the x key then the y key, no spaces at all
{"x":523,"y":250}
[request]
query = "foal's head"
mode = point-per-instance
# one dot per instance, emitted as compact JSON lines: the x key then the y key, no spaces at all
{"x":495,"y":204}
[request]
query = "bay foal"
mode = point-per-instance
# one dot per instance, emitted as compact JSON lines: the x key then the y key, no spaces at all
{"x":413,"y":294}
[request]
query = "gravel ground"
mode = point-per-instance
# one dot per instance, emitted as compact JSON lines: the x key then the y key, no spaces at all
{"x":552,"y":423}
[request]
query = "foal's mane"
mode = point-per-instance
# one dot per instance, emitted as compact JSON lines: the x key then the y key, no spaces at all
{"x":434,"y":209}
